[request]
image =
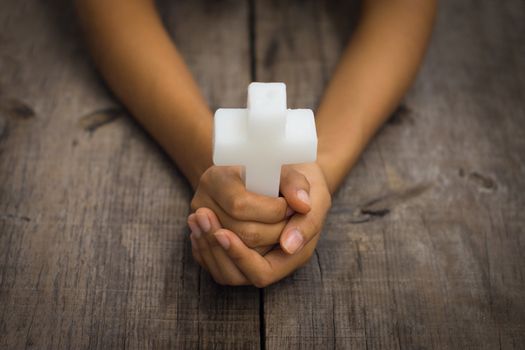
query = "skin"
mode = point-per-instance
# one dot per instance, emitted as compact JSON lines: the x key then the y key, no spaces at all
{"x":240,"y":237}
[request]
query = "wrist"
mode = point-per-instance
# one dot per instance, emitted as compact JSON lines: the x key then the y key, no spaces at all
{"x":188,"y":142}
{"x":200,"y":158}
{"x":339,"y":149}
{"x":335,"y":166}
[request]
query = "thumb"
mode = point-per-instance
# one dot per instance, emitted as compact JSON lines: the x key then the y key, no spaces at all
{"x":295,"y":188}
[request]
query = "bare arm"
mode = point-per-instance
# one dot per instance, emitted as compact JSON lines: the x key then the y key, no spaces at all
{"x":374,"y":72}
{"x":144,"y":69}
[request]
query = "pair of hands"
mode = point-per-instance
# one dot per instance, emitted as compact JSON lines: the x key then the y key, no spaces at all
{"x":242,"y":238}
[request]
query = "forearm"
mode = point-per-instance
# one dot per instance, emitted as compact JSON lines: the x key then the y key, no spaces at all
{"x":143,"y":68}
{"x":375,"y":71}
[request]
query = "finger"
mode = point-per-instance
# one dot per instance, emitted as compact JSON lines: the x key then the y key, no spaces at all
{"x":204,"y":249}
{"x":194,"y":248}
{"x":228,"y":190}
{"x":253,"y":234}
{"x":295,"y":188}
{"x":196,"y":253}
{"x":284,"y":264}
{"x":300,"y":229}
{"x":252,"y":265}
{"x":262,"y":271}
{"x":230,"y":273}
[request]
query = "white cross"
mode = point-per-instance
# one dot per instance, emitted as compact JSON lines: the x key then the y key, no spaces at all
{"x":264,"y":136}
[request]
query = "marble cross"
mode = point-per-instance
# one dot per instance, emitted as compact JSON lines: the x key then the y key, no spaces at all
{"x":263,"y":137}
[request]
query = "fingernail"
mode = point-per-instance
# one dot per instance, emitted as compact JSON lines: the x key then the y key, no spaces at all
{"x":196,"y":231}
{"x":204,"y":222}
{"x":293,"y":241}
{"x":303,"y":196}
{"x":289,"y":212}
{"x":223,"y":241}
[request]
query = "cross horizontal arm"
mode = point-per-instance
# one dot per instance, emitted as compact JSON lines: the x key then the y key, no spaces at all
{"x":230,"y":135}
{"x":300,"y":143}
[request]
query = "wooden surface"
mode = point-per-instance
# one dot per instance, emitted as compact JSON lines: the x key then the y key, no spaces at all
{"x":423,"y":248}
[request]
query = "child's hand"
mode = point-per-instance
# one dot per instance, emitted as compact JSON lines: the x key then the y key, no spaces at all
{"x":231,"y":262}
{"x":302,"y":227}
{"x":258,"y":220}
{"x":208,"y":252}
{"x":238,"y":265}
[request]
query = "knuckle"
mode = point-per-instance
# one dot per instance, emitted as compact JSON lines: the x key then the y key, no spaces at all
{"x":210,"y":172}
{"x":250,"y":235}
{"x":279,"y":209}
{"x":237,"y":206}
{"x":238,"y":259}
{"x":207,"y":177}
{"x":223,"y":174}
{"x":262,"y":250}
{"x":230,"y":171}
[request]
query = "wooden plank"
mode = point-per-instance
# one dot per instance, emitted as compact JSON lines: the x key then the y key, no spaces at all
{"x":436,"y":262}
{"x":93,"y":240}
{"x":298,"y":43}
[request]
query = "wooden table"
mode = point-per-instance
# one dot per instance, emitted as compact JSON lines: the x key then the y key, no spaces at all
{"x":423,"y":248}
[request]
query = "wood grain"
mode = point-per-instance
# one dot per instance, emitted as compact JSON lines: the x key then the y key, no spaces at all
{"x":93,"y":245}
{"x":423,"y":247}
